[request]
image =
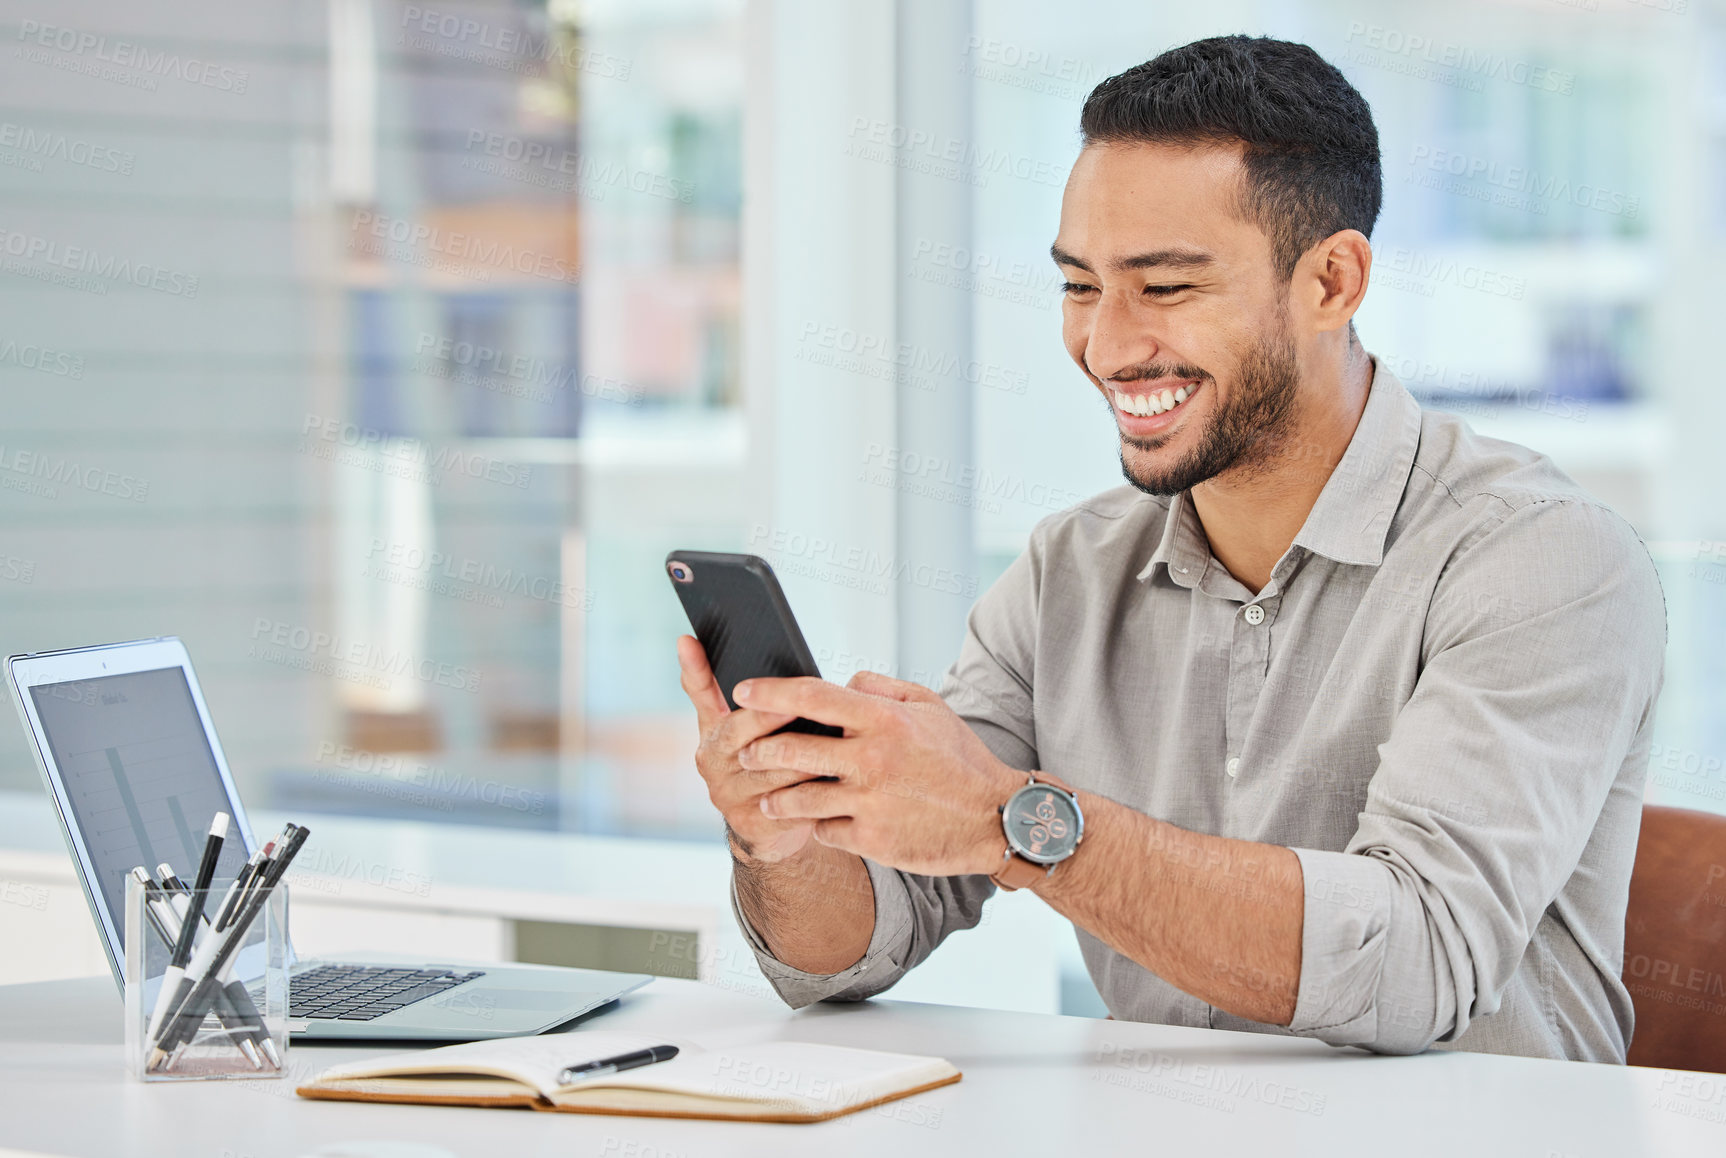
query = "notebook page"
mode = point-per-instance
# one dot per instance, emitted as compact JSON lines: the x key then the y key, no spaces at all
{"x":807,"y":1077}
{"x":533,"y":1061}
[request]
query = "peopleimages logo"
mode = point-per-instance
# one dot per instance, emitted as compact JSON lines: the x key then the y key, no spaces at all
{"x":29,"y":356}
{"x":35,"y":472}
{"x":1464,"y":60}
{"x":363,"y":446}
{"x":326,"y":653}
{"x":794,"y":553}
{"x":538,"y":378}
{"x":1432,"y":269}
{"x":965,"y":158}
{"x":589,"y":175}
{"x":126,"y":54}
{"x":337,"y":870}
{"x":1032,"y":69}
{"x":1166,"y":1074}
{"x":23,"y":894}
{"x":873,"y":356}
{"x":977,"y":271}
{"x":908,"y":466}
{"x":463,"y":38}
{"x":108,"y":267}
{"x":380,"y":773}
{"x":461,"y":247}
{"x":1520,"y":179}
{"x":411,"y":565}
{"x":42,"y":145}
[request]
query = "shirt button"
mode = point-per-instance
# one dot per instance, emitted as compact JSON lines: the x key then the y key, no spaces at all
{"x":1255,"y":614}
{"x":1234,"y":766}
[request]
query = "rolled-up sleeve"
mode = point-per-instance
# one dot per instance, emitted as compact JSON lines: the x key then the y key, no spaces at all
{"x":989,"y":687}
{"x":1540,"y":667}
{"x":879,"y":967}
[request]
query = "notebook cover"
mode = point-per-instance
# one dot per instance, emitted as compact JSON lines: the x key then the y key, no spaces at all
{"x":535,"y":1102}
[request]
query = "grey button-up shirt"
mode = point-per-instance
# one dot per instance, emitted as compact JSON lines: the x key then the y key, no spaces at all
{"x":1441,"y":702}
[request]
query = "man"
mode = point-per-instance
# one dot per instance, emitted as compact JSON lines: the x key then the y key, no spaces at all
{"x":1354,"y":705}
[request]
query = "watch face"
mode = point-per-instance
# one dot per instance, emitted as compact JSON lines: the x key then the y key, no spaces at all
{"x":1042,"y":824}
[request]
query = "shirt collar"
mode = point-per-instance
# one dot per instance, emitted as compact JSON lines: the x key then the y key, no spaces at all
{"x":1183,"y":548}
{"x":1352,"y":516}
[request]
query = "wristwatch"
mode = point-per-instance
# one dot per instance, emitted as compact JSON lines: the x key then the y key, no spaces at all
{"x":1043,"y":826}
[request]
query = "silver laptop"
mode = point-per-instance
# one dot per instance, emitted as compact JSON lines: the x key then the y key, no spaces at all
{"x":125,"y":743}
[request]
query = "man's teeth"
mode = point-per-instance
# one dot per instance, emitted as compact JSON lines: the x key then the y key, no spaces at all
{"x":1145,"y":405}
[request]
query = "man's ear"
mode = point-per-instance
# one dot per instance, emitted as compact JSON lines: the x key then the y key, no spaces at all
{"x":1330,"y":280}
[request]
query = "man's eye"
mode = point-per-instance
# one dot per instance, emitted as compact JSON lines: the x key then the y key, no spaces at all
{"x":1161,"y":291}
{"x":1076,"y":287}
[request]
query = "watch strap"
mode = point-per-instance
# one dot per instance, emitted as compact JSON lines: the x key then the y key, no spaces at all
{"x":1018,"y":873}
{"x":1052,"y":781}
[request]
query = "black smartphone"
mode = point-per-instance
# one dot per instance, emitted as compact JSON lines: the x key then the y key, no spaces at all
{"x":743,"y":622}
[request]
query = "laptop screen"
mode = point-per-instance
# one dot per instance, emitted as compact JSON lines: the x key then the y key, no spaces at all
{"x":139,"y":776}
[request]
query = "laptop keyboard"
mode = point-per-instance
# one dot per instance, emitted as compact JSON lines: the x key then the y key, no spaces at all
{"x":361,"y":993}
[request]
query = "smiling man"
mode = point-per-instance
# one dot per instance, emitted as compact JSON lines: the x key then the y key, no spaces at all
{"x":1335,"y":722}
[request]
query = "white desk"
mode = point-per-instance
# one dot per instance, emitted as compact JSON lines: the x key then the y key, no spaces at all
{"x":445,"y":890}
{"x":1034,"y":1084}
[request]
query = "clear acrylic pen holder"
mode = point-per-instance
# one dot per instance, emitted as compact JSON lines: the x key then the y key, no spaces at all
{"x":230,"y":1022}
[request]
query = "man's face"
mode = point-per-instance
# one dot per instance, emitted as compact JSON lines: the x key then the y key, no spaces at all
{"x":1172,"y":299}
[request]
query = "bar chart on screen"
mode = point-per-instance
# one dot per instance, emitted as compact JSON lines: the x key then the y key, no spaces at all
{"x":139,"y":773}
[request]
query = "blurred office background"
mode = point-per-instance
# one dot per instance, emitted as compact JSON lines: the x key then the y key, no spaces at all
{"x":382,"y":350}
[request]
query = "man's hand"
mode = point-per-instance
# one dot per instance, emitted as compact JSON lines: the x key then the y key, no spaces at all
{"x":736,"y":791}
{"x":913,"y":788}
{"x":813,"y":906}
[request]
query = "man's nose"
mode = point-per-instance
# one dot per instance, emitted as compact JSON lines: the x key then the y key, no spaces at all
{"x":1119,"y":338}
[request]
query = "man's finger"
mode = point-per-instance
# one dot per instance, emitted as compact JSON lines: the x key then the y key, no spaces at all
{"x":699,"y":684}
{"x":738,"y":728}
{"x":812,"y":755}
{"x":812,"y":698}
{"x":752,"y":782}
{"x":873,"y":683}
{"x":811,"y":800}
{"x":838,"y":832}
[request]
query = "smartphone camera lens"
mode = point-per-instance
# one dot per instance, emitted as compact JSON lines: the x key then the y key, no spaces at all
{"x":680,"y":572}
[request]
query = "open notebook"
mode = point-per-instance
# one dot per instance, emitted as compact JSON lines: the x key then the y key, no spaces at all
{"x":780,"y":1081}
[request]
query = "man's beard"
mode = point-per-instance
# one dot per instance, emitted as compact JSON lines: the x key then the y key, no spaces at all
{"x":1244,"y":434}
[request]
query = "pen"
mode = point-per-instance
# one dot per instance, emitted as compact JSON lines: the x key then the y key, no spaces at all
{"x":174,"y":983}
{"x":206,"y":873}
{"x":235,"y":991}
{"x":241,"y":891}
{"x":271,"y":850}
{"x":237,"y":890}
{"x":159,"y":908}
{"x":612,"y":1065}
{"x":234,"y":995}
{"x":170,"y":882}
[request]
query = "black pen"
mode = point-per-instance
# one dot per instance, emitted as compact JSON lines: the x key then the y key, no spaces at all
{"x":612,"y":1065}
{"x":237,"y":890}
{"x":277,"y":846}
{"x":245,"y":1012}
{"x":174,"y":983}
{"x":206,"y":873}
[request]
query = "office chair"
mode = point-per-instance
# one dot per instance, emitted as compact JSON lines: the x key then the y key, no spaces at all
{"x":1675,"y":941}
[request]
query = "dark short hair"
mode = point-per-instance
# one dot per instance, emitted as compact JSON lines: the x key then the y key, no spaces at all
{"x":1311,"y":148}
